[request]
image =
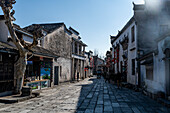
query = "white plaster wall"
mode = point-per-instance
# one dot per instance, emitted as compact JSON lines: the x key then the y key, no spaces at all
{"x":150,"y":29}
{"x":158,"y":83}
{"x":131,"y":54}
{"x":143,"y":73}
{"x":3,"y":31}
{"x":59,"y":42}
{"x":159,"y":73}
{"x":155,"y":85}
{"x":159,"y":80}
{"x":65,"y":63}
{"x":86,"y":60}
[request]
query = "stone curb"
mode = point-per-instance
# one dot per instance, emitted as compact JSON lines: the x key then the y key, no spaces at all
{"x":15,"y":99}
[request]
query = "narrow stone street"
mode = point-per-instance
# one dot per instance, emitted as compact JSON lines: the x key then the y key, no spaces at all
{"x":89,"y":96}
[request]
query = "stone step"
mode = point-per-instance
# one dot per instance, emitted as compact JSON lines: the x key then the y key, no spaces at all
{"x":15,"y":98}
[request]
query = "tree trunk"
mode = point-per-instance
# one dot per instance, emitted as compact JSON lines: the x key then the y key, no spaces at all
{"x":21,"y":67}
{"x":23,"y":49}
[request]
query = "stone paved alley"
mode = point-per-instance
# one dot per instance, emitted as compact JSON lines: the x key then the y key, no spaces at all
{"x":88,"y":96}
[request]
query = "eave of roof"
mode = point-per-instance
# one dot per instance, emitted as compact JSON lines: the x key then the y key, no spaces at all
{"x":74,"y":30}
{"x":69,"y":31}
{"x":5,"y":47}
{"x":79,"y":41}
{"x":21,"y":30}
{"x":48,"y":27}
{"x":41,"y":51}
{"x":124,"y":28}
{"x":18,"y":28}
{"x":165,"y":35}
{"x":55,"y":26}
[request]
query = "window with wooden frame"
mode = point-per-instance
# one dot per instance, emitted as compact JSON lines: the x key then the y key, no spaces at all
{"x":133,"y":66}
{"x":133,"y":33}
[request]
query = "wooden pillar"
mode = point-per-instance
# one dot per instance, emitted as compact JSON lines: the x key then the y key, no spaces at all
{"x":83,"y":50}
{"x":78,"y":48}
{"x":72,"y":69}
{"x":73,"y":47}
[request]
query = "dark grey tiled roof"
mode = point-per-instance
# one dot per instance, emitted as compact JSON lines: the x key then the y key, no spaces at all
{"x":70,"y":28}
{"x":77,"y":40}
{"x":19,"y":29}
{"x":41,"y":51}
{"x":47,"y":27}
{"x":5,"y":47}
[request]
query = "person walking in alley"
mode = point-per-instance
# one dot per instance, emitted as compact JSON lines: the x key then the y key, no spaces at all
{"x":119,"y":77}
{"x":107,"y":77}
{"x":78,"y":76}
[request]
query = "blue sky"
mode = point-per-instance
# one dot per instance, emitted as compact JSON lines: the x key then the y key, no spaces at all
{"x":96,"y":20}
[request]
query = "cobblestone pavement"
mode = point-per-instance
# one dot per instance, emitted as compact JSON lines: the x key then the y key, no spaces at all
{"x":88,"y":96}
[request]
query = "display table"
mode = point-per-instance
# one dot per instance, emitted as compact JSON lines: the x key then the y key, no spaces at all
{"x":39,"y":84}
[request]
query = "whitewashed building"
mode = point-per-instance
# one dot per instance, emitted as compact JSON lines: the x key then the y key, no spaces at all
{"x":142,"y":47}
{"x":57,"y":40}
{"x":78,"y":56}
{"x":154,"y":58}
{"x":9,"y":56}
{"x":124,"y":51}
{"x":155,"y":67}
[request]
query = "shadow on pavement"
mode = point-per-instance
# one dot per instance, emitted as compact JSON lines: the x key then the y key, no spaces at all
{"x":89,"y":95}
{"x":86,"y":96}
{"x":100,"y":97}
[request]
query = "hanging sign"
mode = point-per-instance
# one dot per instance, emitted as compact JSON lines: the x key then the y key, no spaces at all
{"x":41,"y":58}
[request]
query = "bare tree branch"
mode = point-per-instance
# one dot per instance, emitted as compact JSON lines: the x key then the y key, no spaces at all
{"x":37,"y":33}
{"x":23,"y":47}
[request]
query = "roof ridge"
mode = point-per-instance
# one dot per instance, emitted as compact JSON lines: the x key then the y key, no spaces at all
{"x":49,"y":23}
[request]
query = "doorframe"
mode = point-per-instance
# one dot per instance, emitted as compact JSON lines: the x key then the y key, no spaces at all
{"x":56,"y":76}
